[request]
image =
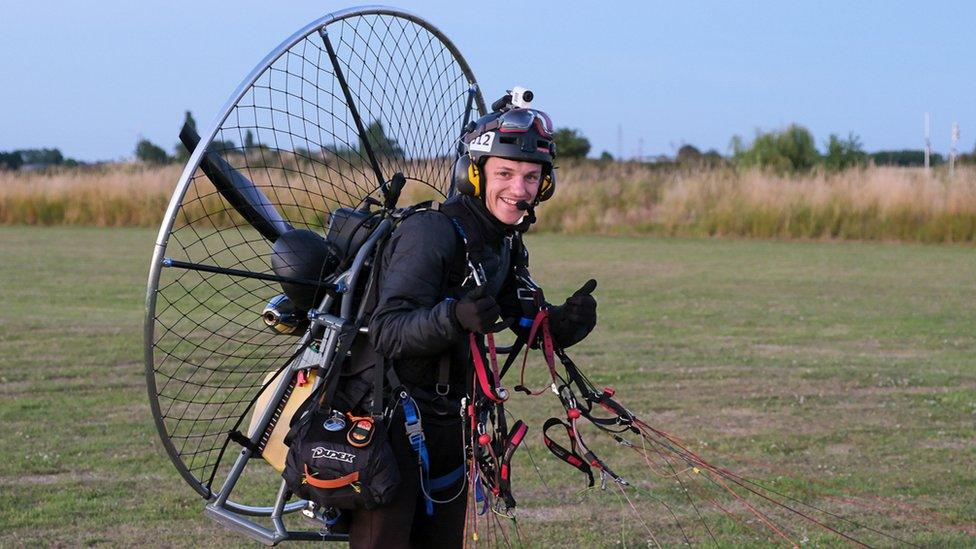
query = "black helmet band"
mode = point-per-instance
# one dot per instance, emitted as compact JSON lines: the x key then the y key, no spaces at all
{"x":516,"y":134}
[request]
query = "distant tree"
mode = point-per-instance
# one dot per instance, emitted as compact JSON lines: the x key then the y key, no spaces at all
{"x":844,"y":153}
{"x":316,"y":154}
{"x":606,"y":157}
{"x":248,"y":140}
{"x":41,"y":157}
{"x":712,"y":158}
{"x":969,"y":159}
{"x":150,"y":153}
{"x":688,"y":154}
{"x":570,"y":143}
{"x":188,"y":120}
{"x":788,"y":150}
{"x":222,"y":145}
{"x":382,"y":144}
{"x":11,"y":160}
{"x":905,"y":158}
{"x":180,"y":154}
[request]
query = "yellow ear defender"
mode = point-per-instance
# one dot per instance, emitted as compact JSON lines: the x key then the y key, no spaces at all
{"x":467,"y":176}
{"x":467,"y":180}
{"x":547,"y":187}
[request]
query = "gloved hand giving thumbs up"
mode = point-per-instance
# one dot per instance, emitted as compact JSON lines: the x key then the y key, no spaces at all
{"x":580,"y":308}
{"x":572,"y":321}
{"x":477,"y":312}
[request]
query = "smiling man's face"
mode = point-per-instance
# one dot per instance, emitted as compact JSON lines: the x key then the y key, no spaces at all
{"x":506,"y":183}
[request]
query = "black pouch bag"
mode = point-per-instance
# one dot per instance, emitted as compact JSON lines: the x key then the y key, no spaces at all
{"x":324,"y":467}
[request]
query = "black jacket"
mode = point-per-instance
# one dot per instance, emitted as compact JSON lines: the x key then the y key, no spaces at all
{"x":422,"y":271}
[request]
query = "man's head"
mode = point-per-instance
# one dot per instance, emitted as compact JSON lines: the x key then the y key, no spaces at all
{"x":508,"y":182}
{"x":516,"y":146}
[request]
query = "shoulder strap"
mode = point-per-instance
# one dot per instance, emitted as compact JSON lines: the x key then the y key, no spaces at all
{"x":382,"y":371}
{"x":473,"y":240}
{"x":379,"y":369}
{"x":520,"y":254}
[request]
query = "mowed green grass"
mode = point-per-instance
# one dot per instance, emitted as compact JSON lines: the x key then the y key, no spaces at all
{"x":842,"y":373}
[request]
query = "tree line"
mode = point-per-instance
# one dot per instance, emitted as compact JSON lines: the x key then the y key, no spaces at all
{"x":30,"y":158}
{"x":792,"y":149}
{"x":570,"y":143}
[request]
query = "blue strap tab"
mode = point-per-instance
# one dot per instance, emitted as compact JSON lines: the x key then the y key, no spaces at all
{"x":479,"y":497}
{"x":415,"y":434}
{"x":443,"y":482}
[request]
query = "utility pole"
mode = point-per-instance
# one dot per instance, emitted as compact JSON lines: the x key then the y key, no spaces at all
{"x":952,"y":149}
{"x":928,"y":143}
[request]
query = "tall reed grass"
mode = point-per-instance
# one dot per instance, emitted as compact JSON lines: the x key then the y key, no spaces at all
{"x":877,"y":203}
{"x":107,"y":196}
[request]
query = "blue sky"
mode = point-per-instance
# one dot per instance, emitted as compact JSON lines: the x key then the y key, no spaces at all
{"x":91,"y":77}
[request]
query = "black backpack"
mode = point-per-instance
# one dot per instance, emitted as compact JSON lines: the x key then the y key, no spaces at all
{"x":340,"y":460}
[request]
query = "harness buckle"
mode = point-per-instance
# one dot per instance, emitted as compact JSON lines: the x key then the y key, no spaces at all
{"x":415,"y":432}
{"x":477,"y":271}
{"x":526,"y":294}
{"x":411,"y":422}
{"x":442,"y":388}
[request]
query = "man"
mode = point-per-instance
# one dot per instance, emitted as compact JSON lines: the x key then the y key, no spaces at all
{"x":446,"y":274}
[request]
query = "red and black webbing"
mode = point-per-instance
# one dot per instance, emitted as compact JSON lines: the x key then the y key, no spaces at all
{"x":489,"y":383}
{"x":494,"y":445}
{"x":569,"y":456}
{"x":512,"y":442}
{"x":540,"y":327}
{"x":573,"y":413}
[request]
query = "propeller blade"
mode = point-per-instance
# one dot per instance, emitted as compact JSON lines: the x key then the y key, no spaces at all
{"x":242,"y":194}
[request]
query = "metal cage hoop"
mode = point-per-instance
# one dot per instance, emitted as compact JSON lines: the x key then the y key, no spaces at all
{"x":185,"y":180}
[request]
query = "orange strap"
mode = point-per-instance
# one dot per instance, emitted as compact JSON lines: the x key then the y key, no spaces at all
{"x":330,"y":484}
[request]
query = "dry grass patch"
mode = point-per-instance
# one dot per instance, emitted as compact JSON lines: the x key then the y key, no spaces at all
{"x":878,"y":203}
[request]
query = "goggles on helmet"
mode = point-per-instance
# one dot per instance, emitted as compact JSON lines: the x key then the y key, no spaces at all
{"x":521,"y":120}
{"x":516,"y":134}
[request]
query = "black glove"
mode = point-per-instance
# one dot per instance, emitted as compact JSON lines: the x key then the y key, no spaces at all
{"x":477,"y":312}
{"x":580,"y":308}
{"x":577,"y":317}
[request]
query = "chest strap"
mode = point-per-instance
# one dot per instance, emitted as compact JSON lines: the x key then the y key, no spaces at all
{"x":443,"y":385}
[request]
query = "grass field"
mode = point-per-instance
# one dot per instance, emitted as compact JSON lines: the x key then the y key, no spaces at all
{"x":847,"y":367}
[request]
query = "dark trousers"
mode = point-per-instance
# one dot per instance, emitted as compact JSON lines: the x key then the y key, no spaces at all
{"x":405,"y":523}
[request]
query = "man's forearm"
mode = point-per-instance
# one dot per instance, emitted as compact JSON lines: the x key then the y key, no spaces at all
{"x":404,"y":332}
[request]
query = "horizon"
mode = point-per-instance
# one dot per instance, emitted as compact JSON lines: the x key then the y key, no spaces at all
{"x":695,"y":75}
